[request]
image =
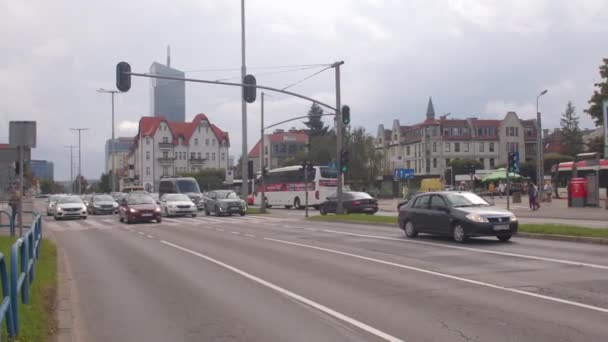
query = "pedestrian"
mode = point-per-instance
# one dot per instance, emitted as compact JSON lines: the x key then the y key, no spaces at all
{"x":501,"y":188}
{"x":491,"y":189}
{"x":14,"y":200}
{"x":537,"y":194}
{"x":531,"y":199}
{"x":548,"y":190}
{"x":404,"y":192}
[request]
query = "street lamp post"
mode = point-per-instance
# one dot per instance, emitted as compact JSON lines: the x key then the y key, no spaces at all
{"x":244,"y":157}
{"x":79,"y":183}
{"x":539,"y":144}
{"x":71,"y":147}
{"x":112,"y":142}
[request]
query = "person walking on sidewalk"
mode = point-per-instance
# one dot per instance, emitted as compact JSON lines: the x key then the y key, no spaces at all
{"x":531,"y":196}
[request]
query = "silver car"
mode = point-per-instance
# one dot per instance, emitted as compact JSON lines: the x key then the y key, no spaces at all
{"x":177,"y":204}
{"x":70,"y":207}
{"x":51,"y":203}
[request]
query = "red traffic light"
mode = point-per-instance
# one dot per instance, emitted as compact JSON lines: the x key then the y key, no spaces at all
{"x":123,"y":76}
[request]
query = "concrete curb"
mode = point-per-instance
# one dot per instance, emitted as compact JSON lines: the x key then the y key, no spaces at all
{"x":555,"y":237}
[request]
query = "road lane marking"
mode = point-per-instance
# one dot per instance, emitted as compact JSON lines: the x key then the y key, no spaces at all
{"x":140,"y":233}
{"x":470,"y":249}
{"x":290,"y":294}
{"x":150,"y":236}
{"x":249,"y":235}
{"x":219,"y":229}
{"x":236,"y":233}
{"x":445,"y":275}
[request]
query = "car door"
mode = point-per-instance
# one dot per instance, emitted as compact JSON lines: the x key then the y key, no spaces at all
{"x":438,"y":217}
{"x":419,"y":212}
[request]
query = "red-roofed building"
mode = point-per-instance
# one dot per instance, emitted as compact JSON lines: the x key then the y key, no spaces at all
{"x":278,"y":146}
{"x":163,"y":148}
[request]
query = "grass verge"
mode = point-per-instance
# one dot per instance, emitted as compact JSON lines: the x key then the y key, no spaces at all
{"x":553,"y":229}
{"x":37,"y":320}
{"x":256,"y":211}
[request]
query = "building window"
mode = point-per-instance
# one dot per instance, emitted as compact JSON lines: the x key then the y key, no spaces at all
{"x":147,"y":171}
{"x":165,"y":154}
{"x":407,"y":150}
{"x":292,"y":148}
{"x":147,"y":155}
{"x":165,"y":139}
{"x":199,"y":156}
{"x":206,"y":155}
{"x":395,"y":137}
{"x":447,"y":161}
{"x":196,"y":141}
{"x":223,"y":156}
{"x":207,"y":130}
{"x":481,"y":147}
{"x":512,"y":147}
{"x":408,"y":164}
{"x":213,"y":156}
{"x":165,"y":170}
{"x":283,"y":148}
{"x":199,"y":129}
{"x":457,"y":147}
{"x":276,"y":148}
{"x":465,"y":147}
{"x":448,"y":146}
{"x":192,"y":155}
{"x":491,"y":147}
{"x":206,"y":142}
{"x":434,"y":162}
{"x":266,"y":150}
{"x":434,"y":146}
{"x":482,"y":161}
{"x":492,"y":163}
{"x":513,"y":131}
{"x":212,"y":142}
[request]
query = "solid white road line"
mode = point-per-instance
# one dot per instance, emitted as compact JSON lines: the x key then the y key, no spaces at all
{"x":249,"y":235}
{"x":290,"y":294}
{"x":237,"y":233}
{"x":470,"y":249}
{"x":449,"y":276}
{"x":150,"y":236}
{"x":140,"y":233}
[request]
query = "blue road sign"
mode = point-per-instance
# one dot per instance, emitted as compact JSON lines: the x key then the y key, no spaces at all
{"x":403,"y":173}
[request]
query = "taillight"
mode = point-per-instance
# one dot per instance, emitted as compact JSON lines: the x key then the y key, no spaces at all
{"x":317,"y":194}
{"x":356,"y":202}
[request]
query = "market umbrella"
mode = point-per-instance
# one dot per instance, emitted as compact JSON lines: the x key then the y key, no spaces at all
{"x":500,"y":174}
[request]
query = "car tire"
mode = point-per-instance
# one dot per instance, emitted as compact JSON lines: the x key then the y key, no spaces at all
{"x":504,"y":237}
{"x":242,"y":213}
{"x":207,"y":213}
{"x":193,"y":215}
{"x":159,"y":220}
{"x":56,"y":218}
{"x":296,"y":204}
{"x":120,"y":219}
{"x":322,"y":210}
{"x":459,"y":234}
{"x":83,"y":217}
{"x":48,"y":214}
{"x":217,"y":212}
{"x":287,"y":207}
{"x":410,"y":230}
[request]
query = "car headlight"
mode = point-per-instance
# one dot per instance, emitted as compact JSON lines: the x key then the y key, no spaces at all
{"x":115,"y":205}
{"x":84,"y":207}
{"x":512,"y":218}
{"x":133,"y":210}
{"x":157,"y":209}
{"x":96,"y":205}
{"x":477,"y":218}
{"x":59,"y":209}
{"x":172,"y":206}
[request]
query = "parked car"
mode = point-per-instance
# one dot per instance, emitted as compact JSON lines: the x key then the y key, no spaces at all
{"x":182,"y":185}
{"x":457,"y":214}
{"x":202,"y":204}
{"x":102,"y":204}
{"x":225,"y":202}
{"x":86,"y":199}
{"x":352,"y":202}
{"x":51,"y":204}
{"x":177,"y":204}
{"x":138,"y":207}
{"x":117,"y":196}
{"x":70,"y":207}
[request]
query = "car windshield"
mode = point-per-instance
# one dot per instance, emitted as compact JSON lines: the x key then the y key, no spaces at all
{"x":227,"y":195}
{"x":140,"y":199}
{"x":69,"y":199}
{"x":187,"y":185}
{"x":466,"y":200}
{"x":103,"y":198}
{"x":176,"y":198}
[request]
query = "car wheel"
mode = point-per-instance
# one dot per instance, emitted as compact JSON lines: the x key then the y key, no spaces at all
{"x":296,"y":203}
{"x":193,"y":215}
{"x":84,"y":217}
{"x":159,"y":220}
{"x":217,"y":211}
{"x":48,"y":214}
{"x":504,"y":237}
{"x":287,"y":207}
{"x":409,"y":229}
{"x":120,"y":219}
{"x":242,"y":213}
{"x":459,"y":234}
{"x":207,"y":213}
{"x":322,"y":210}
{"x":56,"y":218}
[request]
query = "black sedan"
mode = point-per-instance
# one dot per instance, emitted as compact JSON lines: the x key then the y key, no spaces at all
{"x":457,"y":214}
{"x":353,"y":202}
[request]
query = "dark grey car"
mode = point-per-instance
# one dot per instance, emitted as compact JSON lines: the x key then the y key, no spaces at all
{"x":225,"y":202}
{"x":457,"y":214}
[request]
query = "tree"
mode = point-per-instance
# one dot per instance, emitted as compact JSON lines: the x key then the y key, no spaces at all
{"x":84,"y":184}
{"x":551,"y":159}
{"x":321,"y":151}
{"x":104,"y":185}
{"x":50,"y":187}
{"x":315,"y":124}
{"x":599,"y":95}
{"x":462,"y":166}
{"x":208,"y":179}
{"x":528,"y":170}
{"x":572,"y":136}
{"x":596,"y":145}
{"x":365,"y":162}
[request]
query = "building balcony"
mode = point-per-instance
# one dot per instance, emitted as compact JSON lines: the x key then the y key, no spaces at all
{"x":165,"y":145}
{"x":166,"y":161}
{"x":197,"y":161}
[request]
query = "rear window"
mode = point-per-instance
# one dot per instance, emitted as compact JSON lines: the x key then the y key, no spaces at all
{"x":140,"y":199}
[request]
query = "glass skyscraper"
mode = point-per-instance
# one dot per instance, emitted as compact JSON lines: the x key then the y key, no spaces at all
{"x":168,"y":97}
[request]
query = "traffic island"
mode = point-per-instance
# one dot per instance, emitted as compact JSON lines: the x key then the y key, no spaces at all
{"x":539,"y":231}
{"x":36,"y":319}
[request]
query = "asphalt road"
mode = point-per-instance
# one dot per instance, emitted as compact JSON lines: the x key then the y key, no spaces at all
{"x":278,"y":278}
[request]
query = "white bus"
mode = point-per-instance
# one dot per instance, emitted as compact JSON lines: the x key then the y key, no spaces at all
{"x":285,"y":186}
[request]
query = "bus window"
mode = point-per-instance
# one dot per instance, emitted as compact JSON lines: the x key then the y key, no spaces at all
{"x":326,"y":172}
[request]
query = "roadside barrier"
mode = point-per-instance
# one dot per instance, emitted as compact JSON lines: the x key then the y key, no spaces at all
{"x":9,"y":221}
{"x":6,"y":307}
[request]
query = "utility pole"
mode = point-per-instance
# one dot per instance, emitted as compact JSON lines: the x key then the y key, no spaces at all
{"x":112,"y":142}
{"x":539,"y":144}
{"x":79,"y":176}
{"x":339,"y":129}
{"x":263,"y":203}
{"x":71,"y":147}
{"x":244,"y":157}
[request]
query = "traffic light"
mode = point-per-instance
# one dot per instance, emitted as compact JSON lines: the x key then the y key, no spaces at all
{"x":123,"y":76}
{"x":249,"y":93}
{"x":17,"y":169}
{"x":250,"y":174}
{"x":513,"y":162}
{"x":345,"y":115}
{"x":344,"y":159}
{"x":264,"y":171}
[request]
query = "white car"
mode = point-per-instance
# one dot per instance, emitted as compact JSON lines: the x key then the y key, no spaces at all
{"x":70,"y":207}
{"x":177,"y":204}
{"x":51,"y":203}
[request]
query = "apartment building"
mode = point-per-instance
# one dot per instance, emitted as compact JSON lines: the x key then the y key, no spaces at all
{"x":278,"y":146}
{"x":429,"y":146}
{"x":163,"y":148}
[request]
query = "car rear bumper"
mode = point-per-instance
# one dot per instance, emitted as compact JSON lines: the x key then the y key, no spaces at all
{"x":100,"y":211}
{"x":181,"y":211}
{"x":232,"y":210}
{"x":73,"y":214}
{"x":138,"y":217}
{"x":490,"y":229}
{"x":364,"y":209}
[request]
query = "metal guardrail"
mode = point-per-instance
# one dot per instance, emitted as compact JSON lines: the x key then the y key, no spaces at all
{"x":6,"y":306}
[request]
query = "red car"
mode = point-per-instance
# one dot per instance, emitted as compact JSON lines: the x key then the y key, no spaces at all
{"x":138,"y":208}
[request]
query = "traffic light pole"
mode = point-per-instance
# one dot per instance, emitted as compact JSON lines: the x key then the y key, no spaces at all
{"x":244,"y":156}
{"x":339,"y":129}
{"x":263,"y":203}
{"x":508,"y":189}
{"x":306,"y":189}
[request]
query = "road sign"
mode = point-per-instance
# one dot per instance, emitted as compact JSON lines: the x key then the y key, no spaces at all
{"x":403,"y":173}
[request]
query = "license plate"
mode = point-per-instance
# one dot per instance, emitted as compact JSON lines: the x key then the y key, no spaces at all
{"x":235,"y":208}
{"x":146,"y":215}
{"x":502,"y":227}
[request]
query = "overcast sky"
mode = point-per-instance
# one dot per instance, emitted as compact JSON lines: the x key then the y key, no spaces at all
{"x":475,"y":58}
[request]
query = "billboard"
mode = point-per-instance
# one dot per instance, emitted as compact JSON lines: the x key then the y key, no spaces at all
{"x":22,"y":133}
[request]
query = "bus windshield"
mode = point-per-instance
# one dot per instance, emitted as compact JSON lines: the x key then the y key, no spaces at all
{"x":185,"y":186}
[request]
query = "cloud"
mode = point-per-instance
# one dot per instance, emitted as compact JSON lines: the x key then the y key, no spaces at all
{"x":56,"y":47}
{"x":128,"y":128}
{"x":501,"y":107}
